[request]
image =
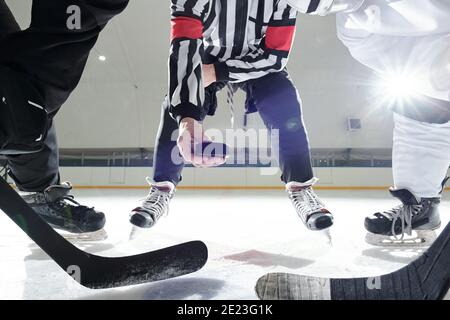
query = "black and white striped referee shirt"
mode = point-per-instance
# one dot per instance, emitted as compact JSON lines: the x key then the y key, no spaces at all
{"x":244,"y":39}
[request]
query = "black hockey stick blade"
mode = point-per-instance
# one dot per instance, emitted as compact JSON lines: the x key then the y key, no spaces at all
{"x":97,"y":272}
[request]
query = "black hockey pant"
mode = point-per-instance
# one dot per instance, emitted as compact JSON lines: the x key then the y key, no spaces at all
{"x":53,"y":51}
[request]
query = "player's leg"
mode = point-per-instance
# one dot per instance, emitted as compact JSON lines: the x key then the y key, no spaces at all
{"x":36,"y":171}
{"x":278,"y":102}
{"x":168,"y":165}
{"x":167,"y":161}
{"x":36,"y":175}
{"x":421,"y":158}
{"x":49,"y":59}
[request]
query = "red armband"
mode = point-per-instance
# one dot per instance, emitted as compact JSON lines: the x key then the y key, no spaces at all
{"x":185,"y":27}
{"x":280,"y":38}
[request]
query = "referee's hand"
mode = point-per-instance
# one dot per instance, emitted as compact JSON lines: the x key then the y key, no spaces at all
{"x":191,"y":133}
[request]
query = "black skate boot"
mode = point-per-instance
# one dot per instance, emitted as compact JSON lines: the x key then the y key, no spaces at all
{"x":59,"y":209}
{"x":390,"y":228}
{"x":309,"y":207}
{"x":154,"y":206}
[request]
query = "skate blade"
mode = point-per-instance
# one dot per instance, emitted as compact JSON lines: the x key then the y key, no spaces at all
{"x":327,"y":234}
{"x":95,"y":236}
{"x":137,"y":233}
{"x":423,"y":238}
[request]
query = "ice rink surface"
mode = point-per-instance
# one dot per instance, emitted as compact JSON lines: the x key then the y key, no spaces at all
{"x":249,"y":233}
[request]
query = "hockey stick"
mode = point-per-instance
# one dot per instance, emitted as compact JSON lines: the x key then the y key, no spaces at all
{"x":97,"y":272}
{"x":426,"y":278}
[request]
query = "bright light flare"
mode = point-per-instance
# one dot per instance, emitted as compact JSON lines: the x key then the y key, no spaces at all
{"x":399,"y":89}
{"x":400,"y":86}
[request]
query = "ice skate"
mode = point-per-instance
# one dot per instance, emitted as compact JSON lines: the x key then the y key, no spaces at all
{"x":154,"y":206}
{"x":410,"y":224}
{"x":309,"y":207}
{"x":74,"y":221}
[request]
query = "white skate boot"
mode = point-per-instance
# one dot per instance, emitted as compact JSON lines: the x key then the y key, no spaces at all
{"x":309,"y":207}
{"x":154,"y":206}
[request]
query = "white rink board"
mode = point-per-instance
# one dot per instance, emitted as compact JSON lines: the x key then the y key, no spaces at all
{"x":239,"y":177}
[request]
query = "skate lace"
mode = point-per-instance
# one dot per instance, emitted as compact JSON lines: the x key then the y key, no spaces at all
{"x":69,"y":200}
{"x":306,"y":202}
{"x":405,"y":213}
{"x":157,"y":202}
